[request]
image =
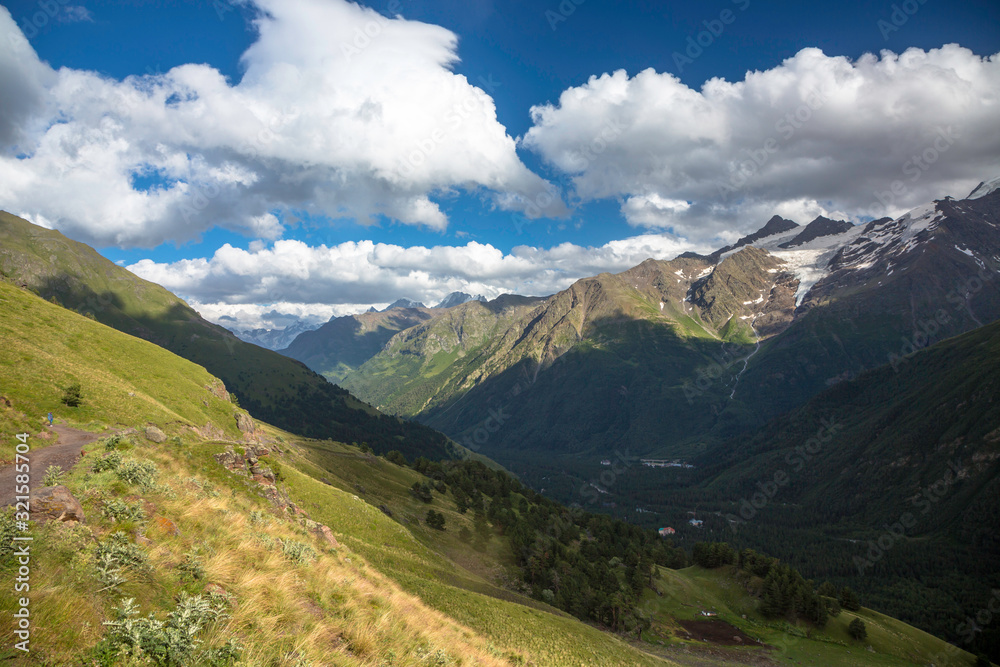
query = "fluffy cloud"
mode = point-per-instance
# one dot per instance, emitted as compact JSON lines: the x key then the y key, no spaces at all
{"x":341,"y":112}
{"x":294,"y":278}
{"x":816,"y":134}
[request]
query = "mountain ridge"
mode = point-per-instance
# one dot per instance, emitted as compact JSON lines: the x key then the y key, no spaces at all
{"x":275,"y":388}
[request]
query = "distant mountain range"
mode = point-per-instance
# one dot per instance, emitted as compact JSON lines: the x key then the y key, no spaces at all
{"x":671,"y":357}
{"x":280,"y":339}
{"x":274,"y":339}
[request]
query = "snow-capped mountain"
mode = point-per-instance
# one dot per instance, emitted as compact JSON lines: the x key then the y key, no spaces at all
{"x":985,"y":188}
{"x":274,"y":339}
{"x":458,"y":298}
{"x":828,"y":255}
{"x":403,"y":303}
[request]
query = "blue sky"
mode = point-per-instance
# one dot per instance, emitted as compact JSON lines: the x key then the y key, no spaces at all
{"x":635,"y":165}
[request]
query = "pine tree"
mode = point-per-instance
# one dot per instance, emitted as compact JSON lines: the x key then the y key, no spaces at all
{"x":772,"y":602}
{"x":857,"y":630}
{"x":849,"y":599}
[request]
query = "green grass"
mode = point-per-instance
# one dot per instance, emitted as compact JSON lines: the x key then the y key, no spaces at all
{"x":124,"y":380}
{"x":890,"y":642}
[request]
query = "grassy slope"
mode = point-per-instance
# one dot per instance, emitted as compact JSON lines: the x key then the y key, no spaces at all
{"x":275,"y":388}
{"x":685,"y":593}
{"x":355,"y":605}
{"x":422,"y":561}
{"x":124,"y":380}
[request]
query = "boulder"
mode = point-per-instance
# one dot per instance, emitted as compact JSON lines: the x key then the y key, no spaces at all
{"x":327,"y":534}
{"x":244,"y":422}
{"x":165,"y":526}
{"x":218,"y":390}
{"x":155,"y":434}
{"x":324,"y":532}
{"x":55,"y":503}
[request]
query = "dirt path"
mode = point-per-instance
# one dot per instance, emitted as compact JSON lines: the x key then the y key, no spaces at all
{"x":64,"y":454}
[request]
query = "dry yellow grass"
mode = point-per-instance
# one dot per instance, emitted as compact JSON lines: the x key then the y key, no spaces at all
{"x":334,"y":610}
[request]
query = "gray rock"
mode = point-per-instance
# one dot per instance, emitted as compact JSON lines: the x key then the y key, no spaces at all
{"x":55,"y":503}
{"x":155,"y":434}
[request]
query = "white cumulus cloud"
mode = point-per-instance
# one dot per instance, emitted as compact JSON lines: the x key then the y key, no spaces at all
{"x":341,"y":112}
{"x":290,"y":276}
{"x":815,"y":134}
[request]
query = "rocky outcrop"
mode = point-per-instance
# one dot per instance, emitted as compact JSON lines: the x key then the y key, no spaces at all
{"x":55,"y":503}
{"x":209,"y":431}
{"x":246,"y":462}
{"x":218,"y":390}
{"x":155,"y":434}
{"x":244,"y":422}
{"x":322,"y":531}
{"x":248,"y":427}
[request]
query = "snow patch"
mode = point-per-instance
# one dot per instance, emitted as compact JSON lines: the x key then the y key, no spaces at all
{"x":809,"y":266}
{"x":985,"y":188}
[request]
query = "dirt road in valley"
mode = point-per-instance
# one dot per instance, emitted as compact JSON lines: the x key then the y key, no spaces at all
{"x":65,"y":453}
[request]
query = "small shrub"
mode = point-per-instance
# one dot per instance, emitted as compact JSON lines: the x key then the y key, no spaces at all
{"x":172,"y":641}
{"x":117,"y":442}
{"x":435,"y":520}
{"x":192,"y":568}
{"x":73,"y":395}
{"x":119,"y":510}
{"x":297,"y":552}
{"x":422,"y":492}
{"x":110,"y":461}
{"x":397,"y":457}
{"x":259,"y":518}
{"x":53,"y":475}
{"x":206,"y":487}
{"x":849,"y":599}
{"x":115,"y":556}
{"x":138,"y":473}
